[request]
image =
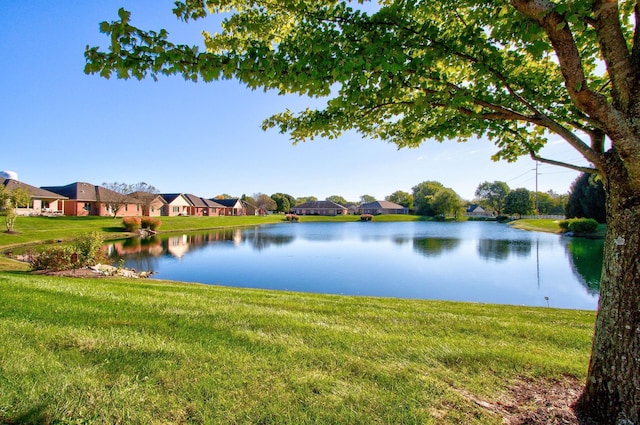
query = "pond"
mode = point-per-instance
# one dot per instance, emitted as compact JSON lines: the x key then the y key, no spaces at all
{"x":483,"y":262}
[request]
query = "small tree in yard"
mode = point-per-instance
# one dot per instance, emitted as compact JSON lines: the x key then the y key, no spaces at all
{"x":9,"y":201}
{"x":115,"y":197}
{"x":514,"y":71}
{"x":145,"y":194}
{"x":264,"y":202}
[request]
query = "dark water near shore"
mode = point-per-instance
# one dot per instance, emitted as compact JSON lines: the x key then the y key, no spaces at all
{"x":470,"y":261}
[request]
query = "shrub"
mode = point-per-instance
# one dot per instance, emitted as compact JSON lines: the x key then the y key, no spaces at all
{"x":56,"y":259}
{"x":131,"y":224}
{"x":292,"y":217}
{"x":151,"y":223}
{"x":88,"y":249}
{"x":583,"y":225}
{"x":579,"y":225}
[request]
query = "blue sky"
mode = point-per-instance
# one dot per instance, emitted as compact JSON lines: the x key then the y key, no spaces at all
{"x":58,"y":125}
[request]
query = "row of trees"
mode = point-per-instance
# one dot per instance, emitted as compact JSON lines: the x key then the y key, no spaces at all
{"x":432,"y":198}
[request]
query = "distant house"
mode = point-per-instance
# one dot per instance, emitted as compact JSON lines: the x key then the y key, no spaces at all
{"x":152,"y":204}
{"x":203,"y":207}
{"x":42,"y":201}
{"x":383,"y":207}
{"x":476,"y":210}
{"x":320,"y":208}
{"x":353,"y":209}
{"x":177,"y":204}
{"x":233,"y":206}
{"x":87,"y":199}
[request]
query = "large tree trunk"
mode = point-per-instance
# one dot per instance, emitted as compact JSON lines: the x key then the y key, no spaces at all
{"x":612,"y":391}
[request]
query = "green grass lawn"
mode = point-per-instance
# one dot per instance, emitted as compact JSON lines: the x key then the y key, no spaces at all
{"x":141,"y":351}
{"x":115,"y":350}
{"x":550,"y":225}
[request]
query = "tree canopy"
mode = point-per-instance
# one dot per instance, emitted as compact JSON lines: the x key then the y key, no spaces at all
{"x":337,"y":199}
{"x":493,"y":194}
{"x":409,"y":72}
{"x":401,"y":198}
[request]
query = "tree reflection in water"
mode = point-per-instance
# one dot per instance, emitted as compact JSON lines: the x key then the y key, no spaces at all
{"x":585,"y":257}
{"x":433,"y":247}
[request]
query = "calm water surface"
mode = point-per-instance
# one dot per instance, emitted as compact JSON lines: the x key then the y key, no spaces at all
{"x":468,"y":261}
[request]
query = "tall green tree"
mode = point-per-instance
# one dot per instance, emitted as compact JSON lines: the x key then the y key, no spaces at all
{"x":587,"y":198}
{"x":367,"y":198}
{"x":304,"y":199}
{"x":550,"y":203}
{"x":337,"y":199}
{"x":493,"y":195}
{"x":423,"y":194}
{"x":283,"y":202}
{"x":447,"y":202}
{"x":513,"y":71}
{"x":518,"y":201}
{"x":401,"y":198}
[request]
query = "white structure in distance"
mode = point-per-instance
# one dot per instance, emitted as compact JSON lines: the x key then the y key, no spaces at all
{"x":9,"y":175}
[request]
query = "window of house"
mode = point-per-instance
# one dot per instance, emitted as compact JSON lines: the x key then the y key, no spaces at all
{"x":87,"y":206}
{"x":176,"y":209}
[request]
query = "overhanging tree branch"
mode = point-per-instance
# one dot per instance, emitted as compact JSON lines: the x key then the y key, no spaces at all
{"x":536,"y":157}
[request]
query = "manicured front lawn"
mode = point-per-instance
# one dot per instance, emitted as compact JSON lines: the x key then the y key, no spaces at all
{"x":142,"y":351}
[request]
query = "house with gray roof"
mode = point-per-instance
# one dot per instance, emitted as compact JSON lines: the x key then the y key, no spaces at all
{"x":320,"y":208}
{"x":177,"y":204}
{"x":203,"y":207}
{"x":383,"y":207}
{"x":88,"y":199}
{"x":42,"y":202}
{"x":233,"y":206}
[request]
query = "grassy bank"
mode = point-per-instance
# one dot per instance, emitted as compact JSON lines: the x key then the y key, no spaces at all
{"x":140,"y":352}
{"x":551,"y":226}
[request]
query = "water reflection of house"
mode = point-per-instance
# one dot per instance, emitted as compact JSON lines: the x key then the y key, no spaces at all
{"x":178,"y":245}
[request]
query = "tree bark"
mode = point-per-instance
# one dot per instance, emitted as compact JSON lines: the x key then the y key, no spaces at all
{"x":612,"y":391}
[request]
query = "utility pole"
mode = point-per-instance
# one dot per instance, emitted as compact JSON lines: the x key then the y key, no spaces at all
{"x":536,"y":192}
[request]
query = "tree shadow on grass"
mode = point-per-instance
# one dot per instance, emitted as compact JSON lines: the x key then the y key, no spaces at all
{"x":36,"y":415}
{"x":113,"y":229}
